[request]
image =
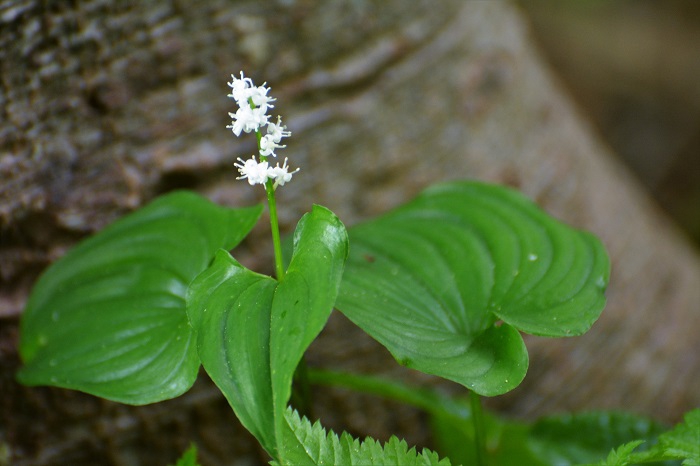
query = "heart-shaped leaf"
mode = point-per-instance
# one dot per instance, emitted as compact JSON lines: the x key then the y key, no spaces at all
{"x":109,"y":317}
{"x":252,"y":330}
{"x":446,"y":281}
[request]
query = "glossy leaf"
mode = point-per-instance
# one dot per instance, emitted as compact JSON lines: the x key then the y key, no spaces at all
{"x":229,"y":307}
{"x":307,"y":444}
{"x":447,"y":281}
{"x":109,"y":317}
{"x":252,"y":330}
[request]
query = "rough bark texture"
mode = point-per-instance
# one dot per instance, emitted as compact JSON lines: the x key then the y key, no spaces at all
{"x":107,"y":104}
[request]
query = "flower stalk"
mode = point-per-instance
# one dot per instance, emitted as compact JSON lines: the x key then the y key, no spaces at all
{"x":251,"y":116}
{"x":274,"y":227}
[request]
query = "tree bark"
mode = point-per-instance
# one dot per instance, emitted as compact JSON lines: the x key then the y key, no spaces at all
{"x":107,"y":104}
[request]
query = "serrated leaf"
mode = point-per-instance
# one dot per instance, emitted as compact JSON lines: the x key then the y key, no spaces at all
{"x":446,"y":282}
{"x":307,"y":444}
{"x":109,"y":317}
{"x":621,"y":456}
{"x":680,"y":443}
{"x":252,"y":330}
{"x":586,"y":437}
{"x":554,"y":440}
{"x":683,"y":441}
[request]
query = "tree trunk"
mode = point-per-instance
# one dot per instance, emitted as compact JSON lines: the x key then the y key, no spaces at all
{"x":107,"y":104}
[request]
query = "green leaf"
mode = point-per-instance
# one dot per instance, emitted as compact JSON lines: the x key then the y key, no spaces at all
{"x":683,"y":441}
{"x":621,"y":456}
{"x":555,"y":440}
{"x":506,"y":441}
{"x":585,"y":438}
{"x":229,"y":308}
{"x":252,"y":330}
{"x":109,"y":318}
{"x":306,"y":444}
{"x":189,"y":457}
{"x":446,"y":281}
{"x":680,"y":443}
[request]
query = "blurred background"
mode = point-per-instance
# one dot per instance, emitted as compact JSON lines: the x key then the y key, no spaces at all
{"x":633,"y":68}
{"x":132,"y":106}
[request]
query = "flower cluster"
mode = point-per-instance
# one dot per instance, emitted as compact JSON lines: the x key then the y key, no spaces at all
{"x":253,"y":104}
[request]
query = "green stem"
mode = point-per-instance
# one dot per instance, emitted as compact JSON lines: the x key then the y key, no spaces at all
{"x":479,"y":431}
{"x":274,"y":223}
{"x":301,"y":391}
{"x":274,"y":226}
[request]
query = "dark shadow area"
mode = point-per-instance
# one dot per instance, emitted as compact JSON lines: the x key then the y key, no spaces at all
{"x":632,"y":68}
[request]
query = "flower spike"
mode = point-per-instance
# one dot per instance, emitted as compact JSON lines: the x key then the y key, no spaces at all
{"x":253,"y":103}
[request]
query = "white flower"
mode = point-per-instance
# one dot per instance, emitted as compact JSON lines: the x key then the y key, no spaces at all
{"x":253,"y":104}
{"x":281,"y":175}
{"x":245,"y":93}
{"x":258,"y":96}
{"x":247,"y":119}
{"x":240,"y":89}
{"x":268,"y":146}
{"x":256,"y":172}
{"x":277,"y":131}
